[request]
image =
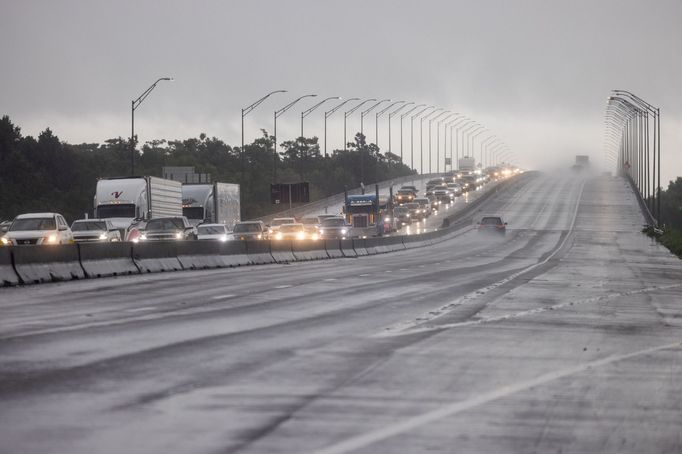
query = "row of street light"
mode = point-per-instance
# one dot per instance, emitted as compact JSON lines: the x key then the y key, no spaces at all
{"x":628,"y":143}
{"x":492,"y":150}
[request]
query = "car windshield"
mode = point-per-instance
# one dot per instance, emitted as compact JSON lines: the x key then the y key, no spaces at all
{"x":405,"y":192}
{"x":400,"y":210}
{"x":211,"y":229}
{"x":291,"y":228}
{"x":33,"y":224}
{"x":309,"y":221}
{"x":421,"y":201}
{"x":193,"y":212}
{"x":247,"y":227}
{"x":81,"y":226}
{"x":412,"y":206}
{"x":491,"y":221}
{"x":126,"y":210}
{"x":334,"y":222}
{"x":282,"y":221}
{"x":165,"y":224}
{"x":441,"y":188}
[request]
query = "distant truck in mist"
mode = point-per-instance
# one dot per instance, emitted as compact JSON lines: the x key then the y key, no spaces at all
{"x":216,"y":203}
{"x":467,"y":164}
{"x":582,"y":162}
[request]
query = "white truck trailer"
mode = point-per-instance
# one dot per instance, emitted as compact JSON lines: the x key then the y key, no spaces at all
{"x":467,"y":164}
{"x":126,"y":199}
{"x":216,"y":203}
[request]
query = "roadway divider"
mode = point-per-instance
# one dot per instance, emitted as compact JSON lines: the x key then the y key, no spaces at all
{"x":309,"y":250}
{"x":7,"y":274}
{"x":333,"y":248}
{"x":107,"y":259}
{"x":359,"y":247}
{"x":373,"y":245}
{"x":197,"y":255}
{"x":282,"y":251}
{"x":36,"y":264}
{"x":258,"y":252}
{"x":156,"y":256}
{"x":390,"y":244}
{"x":347,"y":248}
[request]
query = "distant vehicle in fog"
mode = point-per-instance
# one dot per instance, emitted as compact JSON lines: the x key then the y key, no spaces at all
{"x":38,"y":228}
{"x":249,"y":230}
{"x":170,"y":228}
{"x":335,"y":228}
{"x":212,"y":232}
{"x":492,"y":224}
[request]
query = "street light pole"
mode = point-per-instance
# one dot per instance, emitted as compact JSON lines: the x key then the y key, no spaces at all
{"x":278,"y":113}
{"x":401,"y":127}
{"x":445,"y":139}
{"x":431,"y":120}
{"x":245,"y":111}
{"x":133,"y":106}
{"x":345,"y":118}
{"x":493,"y":137}
{"x":307,"y":112}
{"x":365,"y":112}
{"x":412,"y":133}
{"x":462,"y":123}
{"x":376,"y":123}
{"x":328,"y":114}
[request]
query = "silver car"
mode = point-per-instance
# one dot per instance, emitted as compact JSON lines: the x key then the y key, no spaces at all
{"x":94,"y":230}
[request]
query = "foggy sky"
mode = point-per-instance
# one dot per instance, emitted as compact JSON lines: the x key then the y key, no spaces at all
{"x":535,"y":73}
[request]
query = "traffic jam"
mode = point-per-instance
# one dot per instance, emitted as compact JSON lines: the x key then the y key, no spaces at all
{"x":145,"y":209}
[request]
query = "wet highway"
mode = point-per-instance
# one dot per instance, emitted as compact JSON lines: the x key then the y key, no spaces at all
{"x":565,"y":335}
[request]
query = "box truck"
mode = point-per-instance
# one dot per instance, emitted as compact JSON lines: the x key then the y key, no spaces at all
{"x":216,"y":203}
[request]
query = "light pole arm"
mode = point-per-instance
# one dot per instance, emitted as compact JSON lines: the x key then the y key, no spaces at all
{"x":329,"y":113}
{"x":279,"y":112}
{"x":348,"y":113}
{"x":143,"y":96}
{"x":307,"y":112}
{"x":247,"y":110}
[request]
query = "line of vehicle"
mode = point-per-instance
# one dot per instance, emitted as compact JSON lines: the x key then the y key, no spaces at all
{"x":372,"y":437}
{"x":408,"y":327}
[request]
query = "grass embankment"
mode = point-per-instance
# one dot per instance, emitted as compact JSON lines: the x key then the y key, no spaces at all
{"x":672,"y":239}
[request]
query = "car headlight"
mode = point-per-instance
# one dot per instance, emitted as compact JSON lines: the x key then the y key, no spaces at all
{"x":223,"y":238}
{"x":4,"y":241}
{"x":278,"y":235}
{"x":344,"y":231}
{"x":142,"y":237}
{"x":300,"y":235}
{"x":103,"y":236}
{"x":408,"y":215}
{"x":314,"y":236}
{"x":260,"y":236}
{"x":321,"y":231}
{"x":51,"y":239}
{"x":387,"y":219}
{"x":178,"y":235}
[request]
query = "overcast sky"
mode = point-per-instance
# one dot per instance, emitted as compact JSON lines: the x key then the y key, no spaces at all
{"x":535,"y":73}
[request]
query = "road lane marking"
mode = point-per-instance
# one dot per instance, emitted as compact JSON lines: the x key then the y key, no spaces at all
{"x":370,"y":438}
{"x":222,"y":297}
{"x":141,"y":309}
{"x":329,"y":279}
{"x":365,"y":275}
{"x":408,"y":327}
{"x":279,"y":287}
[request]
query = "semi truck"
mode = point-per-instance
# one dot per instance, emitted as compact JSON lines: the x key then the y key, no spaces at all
{"x":127,"y":199}
{"x":217,"y":203}
{"x":467,"y":164}
{"x":581,"y":162}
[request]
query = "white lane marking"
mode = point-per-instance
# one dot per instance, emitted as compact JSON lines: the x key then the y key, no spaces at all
{"x":369,"y":438}
{"x":365,"y":275}
{"x":222,"y":297}
{"x":329,"y":279}
{"x":141,"y":309}
{"x":388,"y":271}
{"x":537,"y":310}
{"x":278,"y":287}
{"x":408,"y":327}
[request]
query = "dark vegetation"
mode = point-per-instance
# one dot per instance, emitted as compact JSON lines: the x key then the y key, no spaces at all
{"x":46,"y":174}
{"x":670,"y":233}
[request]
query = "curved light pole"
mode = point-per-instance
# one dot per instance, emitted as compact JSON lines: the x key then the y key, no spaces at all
{"x":463,"y":125}
{"x":365,"y":112}
{"x":473,"y":142}
{"x":347,"y":114}
{"x":421,"y":137}
{"x":390,"y":116}
{"x":431,"y":120}
{"x":495,"y":149}
{"x":376,"y":123}
{"x":448,"y":126}
{"x":401,"y":127}
{"x":307,"y":112}
{"x":278,"y":113}
{"x":328,"y":114}
{"x":412,"y":133}
{"x":133,"y":106}
{"x":493,"y":137}
{"x":471,"y":127}
{"x":438,"y":123}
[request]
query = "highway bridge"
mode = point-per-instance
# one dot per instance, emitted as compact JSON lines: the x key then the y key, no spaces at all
{"x":564,"y":335}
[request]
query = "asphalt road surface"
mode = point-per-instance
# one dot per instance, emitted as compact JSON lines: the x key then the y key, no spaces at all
{"x":562,"y":336}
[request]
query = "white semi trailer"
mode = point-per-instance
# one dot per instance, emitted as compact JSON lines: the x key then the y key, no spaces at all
{"x":127,"y":199}
{"x":217,"y":203}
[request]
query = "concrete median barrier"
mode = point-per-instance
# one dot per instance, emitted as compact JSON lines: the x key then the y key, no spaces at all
{"x":373,"y":245}
{"x":390,"y":244}
{"x":347,"y":248}
{"x":309,"y":250}
{"x":107,"y":259}
{"x":7,"y":274}
{"x":197,"y":255}
{"x":258,"y":252}
{"x":333,"y":248}
{"x":359,"y":246}
{"x":156,"y":256}
{"x":36,"y":264}
{"x":282,"y":251}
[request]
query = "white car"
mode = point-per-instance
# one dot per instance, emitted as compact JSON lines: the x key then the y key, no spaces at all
{"x":38,"y":228}
{"x":213,"y":232}
{"x":94,"y":230}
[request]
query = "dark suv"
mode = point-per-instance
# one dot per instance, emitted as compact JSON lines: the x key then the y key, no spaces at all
{"x":172,"y":228}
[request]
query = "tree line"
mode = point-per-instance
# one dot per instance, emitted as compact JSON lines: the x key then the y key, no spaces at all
{"x":47,"y":174}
